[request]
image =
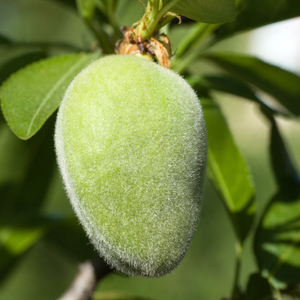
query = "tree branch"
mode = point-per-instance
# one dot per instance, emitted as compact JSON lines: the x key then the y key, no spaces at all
{"x":86,"y":279}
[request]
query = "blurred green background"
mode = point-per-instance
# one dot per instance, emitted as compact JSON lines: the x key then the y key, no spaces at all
{"x":206,"y":272}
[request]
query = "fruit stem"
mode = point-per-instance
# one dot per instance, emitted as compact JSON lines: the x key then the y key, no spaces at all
{"x":147,"y":29}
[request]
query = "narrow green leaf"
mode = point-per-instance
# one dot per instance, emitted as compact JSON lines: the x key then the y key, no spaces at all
{"x":30,"y":96}
{"x":86,"y":8}
{"x":258,"y":288}
{"x":213,"y":11}
{"x":16,"y":59}
{"x":229,"y":172}
{"x":285,"y":172}
{"x":234,"y":86}
{"x":277,"y":240}
{"x":256,"y":13}
{"x":230,"y":84}
{"x":281,"y":84}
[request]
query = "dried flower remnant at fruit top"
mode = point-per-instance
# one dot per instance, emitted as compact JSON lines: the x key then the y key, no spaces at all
{"x":151,"y":49}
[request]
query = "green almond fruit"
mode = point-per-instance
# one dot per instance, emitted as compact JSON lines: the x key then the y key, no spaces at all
{"x":131,"y":146}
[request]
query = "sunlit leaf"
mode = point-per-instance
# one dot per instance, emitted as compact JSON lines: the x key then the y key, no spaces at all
{"x":256,"y":13}
{"x":213,"y":11}
{"x":281,"y":84}
{"x":228,"y":171}
{"x":30,"y":96}
{"x":16,"y":58}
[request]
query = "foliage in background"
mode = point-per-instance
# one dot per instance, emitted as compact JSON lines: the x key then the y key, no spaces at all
{"x":35,"y":71}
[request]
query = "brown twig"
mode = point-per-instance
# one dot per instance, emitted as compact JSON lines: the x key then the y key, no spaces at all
{"x":86,"y":279}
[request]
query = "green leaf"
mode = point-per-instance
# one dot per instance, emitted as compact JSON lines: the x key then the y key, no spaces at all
{"x":277,"y":241}
{"x":15,"y":59}
{"x":30,"y":96}
{"x":213,"y":11}
{"x":234,"y":86}
{"x":281,"y":84}
{"x":285,"y":172}
{"x":256,"y":13}
{"x":229,"y":172}
{"x":86,"y":8}
{"x":258,"y":288}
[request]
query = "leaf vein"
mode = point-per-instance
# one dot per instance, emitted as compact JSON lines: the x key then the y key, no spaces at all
{"x":54,"y":88}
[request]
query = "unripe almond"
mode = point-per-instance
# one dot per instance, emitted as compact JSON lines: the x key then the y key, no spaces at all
{"x":131,"y":146}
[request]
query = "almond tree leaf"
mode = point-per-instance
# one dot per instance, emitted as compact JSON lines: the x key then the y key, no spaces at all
{"x":256,"y":13}
{"x":281,"y":84}
{"x":30,"y":96}
{"x":230,"y":84}
{"x":14,"y":59}
{"x":229,"y":172}
{"x":285,"y":172}
{"x":237,"y":87}
{"x":277,"y":241}
{"x":213,"y":11}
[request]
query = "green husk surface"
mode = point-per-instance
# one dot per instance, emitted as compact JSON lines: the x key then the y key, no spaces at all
{"x":131,"y":146}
